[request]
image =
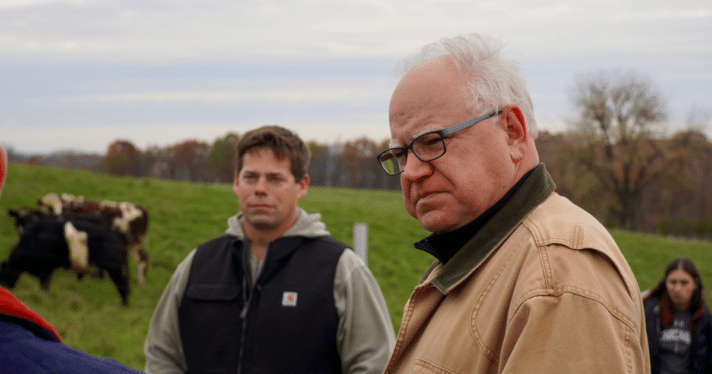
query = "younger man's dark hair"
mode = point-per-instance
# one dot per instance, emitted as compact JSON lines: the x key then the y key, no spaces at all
{"x":279,"y":140}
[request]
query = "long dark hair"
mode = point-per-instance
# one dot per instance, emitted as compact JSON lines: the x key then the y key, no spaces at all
{"x":686,"y":265}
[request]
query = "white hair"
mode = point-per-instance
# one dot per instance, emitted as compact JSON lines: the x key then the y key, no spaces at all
{"x":493,"y":81}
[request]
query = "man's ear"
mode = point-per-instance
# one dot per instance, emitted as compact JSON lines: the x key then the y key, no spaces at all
{"x":235,"y":183}
{"x":516,"y":129}
{"x":302,"y":186}
{"x":516,"y":125}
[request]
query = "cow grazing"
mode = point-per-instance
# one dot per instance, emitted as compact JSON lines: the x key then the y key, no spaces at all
{"x":48,"y":242}
{"x":129,"y":219}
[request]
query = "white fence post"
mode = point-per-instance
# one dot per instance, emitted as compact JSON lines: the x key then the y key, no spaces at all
{"x":361,"y":241}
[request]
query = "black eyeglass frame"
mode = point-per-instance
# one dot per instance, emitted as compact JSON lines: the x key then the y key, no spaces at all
{"x":442,"y":133}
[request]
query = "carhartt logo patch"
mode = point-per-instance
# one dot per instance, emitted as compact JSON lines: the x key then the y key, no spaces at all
{"x":289,"y":299}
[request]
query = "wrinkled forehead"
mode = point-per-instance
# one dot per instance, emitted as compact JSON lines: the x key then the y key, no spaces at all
{"x":427,"y":98}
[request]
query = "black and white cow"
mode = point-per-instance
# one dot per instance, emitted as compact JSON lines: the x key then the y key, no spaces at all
{"x":48,"y":242}
{"x":127,"y":218}
{"x":76,"y":233}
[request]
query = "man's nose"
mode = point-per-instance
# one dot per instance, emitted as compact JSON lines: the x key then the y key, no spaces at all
{"x":415,"y":168}
{"x":261,"y":185}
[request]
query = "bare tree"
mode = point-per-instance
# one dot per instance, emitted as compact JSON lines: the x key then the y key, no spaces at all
{"x":616,"y":138}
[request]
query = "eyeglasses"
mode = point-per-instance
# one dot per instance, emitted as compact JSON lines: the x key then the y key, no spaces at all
{"x":426,"y":147}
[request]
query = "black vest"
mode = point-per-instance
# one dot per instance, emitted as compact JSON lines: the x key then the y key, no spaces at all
{"x":286,"y":323}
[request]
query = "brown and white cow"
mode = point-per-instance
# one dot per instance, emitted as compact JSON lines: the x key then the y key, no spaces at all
{"x":126,"y":218}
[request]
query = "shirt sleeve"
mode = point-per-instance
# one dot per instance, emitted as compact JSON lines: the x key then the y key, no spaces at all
{"x":365,"y":337}
{"x":163,"y":347}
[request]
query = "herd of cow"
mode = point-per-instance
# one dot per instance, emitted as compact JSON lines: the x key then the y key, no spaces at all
{"x":81,"y":235}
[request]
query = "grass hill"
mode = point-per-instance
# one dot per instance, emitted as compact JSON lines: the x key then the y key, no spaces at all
{"x":88,"y":313}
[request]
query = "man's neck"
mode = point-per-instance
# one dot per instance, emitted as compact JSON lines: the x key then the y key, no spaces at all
{"x":258,"y":249}
{"x":261,"y":238}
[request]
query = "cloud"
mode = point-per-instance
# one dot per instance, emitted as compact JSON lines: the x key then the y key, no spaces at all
{"x":15,"y":4}
{"x":132,"y":30}
{"x":70,"y":66}
{"x":307,"y":95}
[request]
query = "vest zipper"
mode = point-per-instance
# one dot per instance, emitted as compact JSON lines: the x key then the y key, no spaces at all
{"x":248,"y":290}
{"x":243,"y":317}
{"x":247,"y":299}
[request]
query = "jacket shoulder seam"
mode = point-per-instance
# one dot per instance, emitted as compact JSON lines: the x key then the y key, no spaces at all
{"x":577,"y":291}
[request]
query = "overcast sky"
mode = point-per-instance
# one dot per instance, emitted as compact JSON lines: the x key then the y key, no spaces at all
{"x":80,"y":74}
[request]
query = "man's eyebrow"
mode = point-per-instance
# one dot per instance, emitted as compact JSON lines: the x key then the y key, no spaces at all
{"x":267,"y":174}
{"x":396,"y":144}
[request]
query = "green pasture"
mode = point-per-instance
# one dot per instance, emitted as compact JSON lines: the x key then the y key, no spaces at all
{"x":88,"y":313}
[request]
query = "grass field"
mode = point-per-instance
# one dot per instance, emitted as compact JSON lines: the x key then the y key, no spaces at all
{"x":88,"y":313}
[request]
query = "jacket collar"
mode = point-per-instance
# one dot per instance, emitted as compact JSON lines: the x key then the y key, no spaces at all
{"x":445,"y":245}
{"x":12,"y":309}
{"x":486,"y":236}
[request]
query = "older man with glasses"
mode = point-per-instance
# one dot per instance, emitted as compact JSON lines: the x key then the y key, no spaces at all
{"x":525,"y":281}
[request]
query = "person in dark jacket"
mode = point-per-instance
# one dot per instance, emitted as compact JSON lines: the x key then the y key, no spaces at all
{"x":276,"y":293}
{"x":678,"y":322}
{"x":29,"y":344}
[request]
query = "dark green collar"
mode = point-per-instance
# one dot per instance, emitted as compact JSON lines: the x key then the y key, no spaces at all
{"x":445,"y":245}
{"x":535,"y":189}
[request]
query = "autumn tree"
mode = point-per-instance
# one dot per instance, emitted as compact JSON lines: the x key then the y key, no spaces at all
{"x":321,"y":164}
{"x":359,"y":158}
{"x":688,"y":196}
{"x":122,"y":158}
{"x":615,"y":137}
{"x":221,"y":159}
{"x":188,"y":160}
{"x":683,"y":205}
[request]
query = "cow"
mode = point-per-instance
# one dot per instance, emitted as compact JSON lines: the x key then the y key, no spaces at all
{"x":24,"y":217}
{"x":126,"y":218}
{"x":48,"y":242}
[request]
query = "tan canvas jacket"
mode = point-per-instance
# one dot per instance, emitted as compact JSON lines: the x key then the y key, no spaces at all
{"x":542,"y":288}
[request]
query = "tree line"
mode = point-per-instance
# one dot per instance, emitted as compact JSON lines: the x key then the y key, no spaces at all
{"x":614,"y":160}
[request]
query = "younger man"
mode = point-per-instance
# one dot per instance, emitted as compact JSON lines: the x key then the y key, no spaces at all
{"x":276,"y":293}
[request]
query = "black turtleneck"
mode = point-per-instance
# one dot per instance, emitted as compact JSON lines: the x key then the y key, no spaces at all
{"x":444,"y":245}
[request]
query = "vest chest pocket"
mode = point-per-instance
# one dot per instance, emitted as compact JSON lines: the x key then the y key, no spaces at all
{"x":210,"y":327}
